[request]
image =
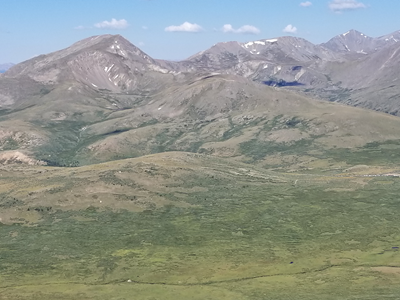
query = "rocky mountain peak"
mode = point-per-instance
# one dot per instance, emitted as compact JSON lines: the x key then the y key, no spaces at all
{"x":354,"y":41}
{"x":352,"y":33}
{"x":105,"y":62}
{"x":351,"y":41}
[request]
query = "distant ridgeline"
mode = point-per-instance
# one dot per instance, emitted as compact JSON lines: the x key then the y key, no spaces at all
{"x":5,"y":67}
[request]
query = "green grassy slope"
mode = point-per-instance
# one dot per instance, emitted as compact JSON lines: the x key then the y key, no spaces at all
{"x":223,"y":116}
{"x":187,"y":226}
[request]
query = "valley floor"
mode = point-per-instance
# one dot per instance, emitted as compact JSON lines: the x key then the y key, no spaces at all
{"x":188,"y":226}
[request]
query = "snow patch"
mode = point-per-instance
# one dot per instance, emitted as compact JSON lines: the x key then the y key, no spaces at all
{"x":277,"y":69}
{"x":271,"y":40}
{"x":347,"y":48}
{"x":346,"y":33}
{"x":263,"y":43}
{"x":94,"y":85}
{"x":159,"y":69}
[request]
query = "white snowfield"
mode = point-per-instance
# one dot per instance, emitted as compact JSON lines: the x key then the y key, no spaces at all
{"x":263,"y":43}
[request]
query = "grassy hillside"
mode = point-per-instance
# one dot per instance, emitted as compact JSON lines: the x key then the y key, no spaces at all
{"x":222,"y":116}
{"x":189,"y":226}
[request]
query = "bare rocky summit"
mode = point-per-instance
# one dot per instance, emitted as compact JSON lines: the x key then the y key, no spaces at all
{"x":355,"y":41}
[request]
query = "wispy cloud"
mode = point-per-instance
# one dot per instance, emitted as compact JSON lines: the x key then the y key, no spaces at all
{"x":306,"y":4}
{"x":185,"y":27}
{"x":80,"y":27}
{"x":245,"y":29}
{"x":343,"y":5}
{"x":113,"y":24}
{"x":290,"y":29}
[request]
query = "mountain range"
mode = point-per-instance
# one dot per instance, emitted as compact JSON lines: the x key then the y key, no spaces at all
{"x":350,"y":68}
{"x":103,"y":98}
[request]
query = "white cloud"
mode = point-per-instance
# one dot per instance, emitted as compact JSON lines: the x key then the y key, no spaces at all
{"x":227,"y":28}
{"x":290,"y":29}
{"x":342,"y":5}
{"x":185,"y":27}
{"x":246,"y":29}
{"x":113,"y":24}
{"x":306,"y":4}
{"x":80,"y":27}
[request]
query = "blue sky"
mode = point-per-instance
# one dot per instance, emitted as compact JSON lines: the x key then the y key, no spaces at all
{"x":176,"y":29}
